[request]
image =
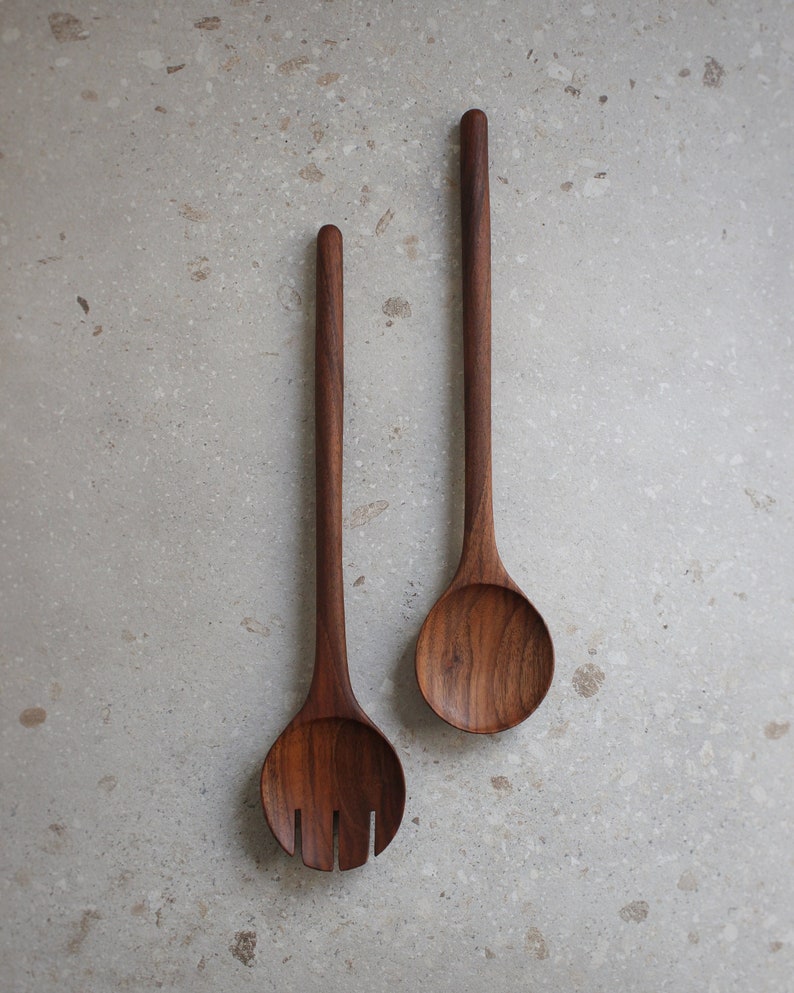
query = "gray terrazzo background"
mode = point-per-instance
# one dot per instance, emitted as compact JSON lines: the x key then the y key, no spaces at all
{"x":164,"y":170}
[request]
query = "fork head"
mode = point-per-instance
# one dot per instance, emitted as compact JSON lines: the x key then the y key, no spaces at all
{"x":331,"y":770}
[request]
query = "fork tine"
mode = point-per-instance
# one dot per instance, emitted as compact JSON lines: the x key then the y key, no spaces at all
{"x":386,"y":824}
{"x":282,"y":824}
{"x":353,"y":840}
{"x":317,"y":839}
{"x":297,"y":845}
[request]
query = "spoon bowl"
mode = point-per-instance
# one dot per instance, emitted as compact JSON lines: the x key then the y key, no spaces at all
{"x":484,"y":657}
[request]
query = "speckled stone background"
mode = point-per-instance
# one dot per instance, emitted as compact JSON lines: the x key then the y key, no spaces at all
{"x":164,"y":172}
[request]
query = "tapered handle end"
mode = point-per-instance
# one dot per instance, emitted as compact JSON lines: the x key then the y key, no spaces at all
{"x":474,"y":120}
{"x":329,"y":239}
{"x":474,"y":155}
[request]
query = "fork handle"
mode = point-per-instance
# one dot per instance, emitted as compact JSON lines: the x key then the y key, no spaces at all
{"x":331,"y":690}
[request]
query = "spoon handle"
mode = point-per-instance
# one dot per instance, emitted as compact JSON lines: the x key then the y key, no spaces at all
{"x":479,"y":542}
{"x":330,"y":689}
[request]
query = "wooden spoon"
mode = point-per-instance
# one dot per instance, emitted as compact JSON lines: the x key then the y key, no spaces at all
{"x":484,"y":659}
{"x":331,"y":768}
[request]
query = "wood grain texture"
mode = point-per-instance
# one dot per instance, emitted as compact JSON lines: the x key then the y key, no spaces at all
{"x":331,"y":680}
{"x":331,"y":768}
{"x":484,"y":657}
{"x":475,"y":215}
{"x":487,"y":658}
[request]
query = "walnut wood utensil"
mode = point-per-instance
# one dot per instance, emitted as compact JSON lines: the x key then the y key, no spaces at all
{"x":331,"y":768}
{"x":484,"y":658}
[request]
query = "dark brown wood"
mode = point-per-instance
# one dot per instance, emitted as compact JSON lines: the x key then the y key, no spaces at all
{"x":331,"y":765}
{"x":484,"y":658}
{"x":478,"y":525}
{"x":331,"y":681}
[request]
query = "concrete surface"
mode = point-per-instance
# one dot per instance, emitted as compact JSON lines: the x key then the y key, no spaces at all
{"x":164,"y":172}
